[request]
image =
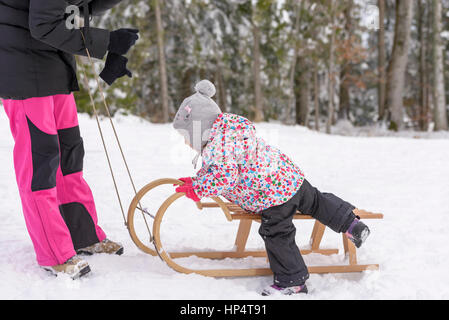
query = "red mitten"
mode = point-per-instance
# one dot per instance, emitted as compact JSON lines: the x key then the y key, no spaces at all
{"x":187,"y":181}
{"x":188,"y":189}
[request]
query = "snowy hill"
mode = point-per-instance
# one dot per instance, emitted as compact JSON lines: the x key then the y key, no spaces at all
{"x":404,"y":178}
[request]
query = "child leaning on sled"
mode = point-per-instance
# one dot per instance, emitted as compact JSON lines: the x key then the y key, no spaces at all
{"x":244,"y":169}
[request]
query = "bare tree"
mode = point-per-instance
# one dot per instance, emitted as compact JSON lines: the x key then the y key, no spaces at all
{"x":316,"y":99}
{"x":258,"y":99}
{"x":346,"y":68}
{"x":423,"y":113}
{"x":221,"y":89}
{"x":439,"y":98}
{"x":398,"y":63}
{"x":382,"y":60}
{"x":162,"y":64}
{"x":295,"y":36}
{"x":303,"y":92}
{"x":331,"y":106}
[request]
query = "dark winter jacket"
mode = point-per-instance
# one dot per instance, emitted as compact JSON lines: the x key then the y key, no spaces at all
{"x":36,"y":47}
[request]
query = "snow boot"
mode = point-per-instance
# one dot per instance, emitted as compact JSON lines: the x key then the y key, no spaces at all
{"x":105,"y":246}
{"x":75,"y":267}
{"x":274,"y":289}
{"x":358,"y":232}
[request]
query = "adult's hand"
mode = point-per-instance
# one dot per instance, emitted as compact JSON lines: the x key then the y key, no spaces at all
{"x":122,"y":40}
{"x":115,"y":67}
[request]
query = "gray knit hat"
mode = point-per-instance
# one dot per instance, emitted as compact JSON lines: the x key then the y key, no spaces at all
{"x":197,"y":114}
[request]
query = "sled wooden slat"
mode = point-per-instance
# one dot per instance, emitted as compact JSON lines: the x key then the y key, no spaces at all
{"x":317,"y":235}
{"x":242,"y":236}
{"x":233,"y":212}
{"x":239,"y":213}
{"x":258,"y":272}
{"x":236,"y":254}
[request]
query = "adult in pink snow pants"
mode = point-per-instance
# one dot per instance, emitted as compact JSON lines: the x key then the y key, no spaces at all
{"x":57,"y":203}
{"x":38,"y":45}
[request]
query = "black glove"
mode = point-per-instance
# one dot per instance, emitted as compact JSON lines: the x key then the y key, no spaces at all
{"x":122,"y":40}
{"x":115,"y":67}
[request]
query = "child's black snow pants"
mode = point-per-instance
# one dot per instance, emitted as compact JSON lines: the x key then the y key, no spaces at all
{"x":278,"y":231}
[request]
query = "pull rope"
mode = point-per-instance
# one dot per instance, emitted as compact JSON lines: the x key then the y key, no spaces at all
{"x":116,"y":138}
{"x":104,"y":147}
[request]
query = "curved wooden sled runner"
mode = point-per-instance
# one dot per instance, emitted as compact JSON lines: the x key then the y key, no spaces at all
{"x":234,"y":212}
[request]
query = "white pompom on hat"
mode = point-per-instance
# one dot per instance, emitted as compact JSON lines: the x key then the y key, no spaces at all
{"x":206,"y":88}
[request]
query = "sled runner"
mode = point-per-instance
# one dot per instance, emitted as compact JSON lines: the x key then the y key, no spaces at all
{"x":233,"y":212}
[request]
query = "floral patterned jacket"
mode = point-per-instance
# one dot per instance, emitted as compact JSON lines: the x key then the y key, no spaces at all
{"x":243,"y":168}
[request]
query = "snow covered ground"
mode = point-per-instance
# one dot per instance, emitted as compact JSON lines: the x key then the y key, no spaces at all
{"x":403,"y":177}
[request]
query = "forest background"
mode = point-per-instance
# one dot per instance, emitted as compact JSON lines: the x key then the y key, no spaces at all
{"x":314,"y":63}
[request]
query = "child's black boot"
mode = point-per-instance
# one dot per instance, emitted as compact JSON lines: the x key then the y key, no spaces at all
{"x":358,"y":232}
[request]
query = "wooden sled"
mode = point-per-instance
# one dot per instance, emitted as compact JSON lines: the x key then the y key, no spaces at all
{"x":234,"y":212}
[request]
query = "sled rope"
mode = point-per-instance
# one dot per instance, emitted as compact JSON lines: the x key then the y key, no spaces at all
{"x":104,"y":147}
{"x":116,"y":138}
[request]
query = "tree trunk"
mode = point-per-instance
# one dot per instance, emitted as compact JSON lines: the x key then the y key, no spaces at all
{"x":439,"y":98}
{"x":423,"y":112}
{"x":429,"y":102}
{"x":316,"y":100}
{"x":258,"y":100}
{"x":331,"y":106}
{"x":382,"y":61}
{"x":185,"y":89}
{"x":292,"y":98}
{"x":162,"y":64}
{"x":304,"y":109}
{"x":345,"y":97}
{"x":302,"y":91}
{"x":398,"y":64}
{"x":221,"y":89}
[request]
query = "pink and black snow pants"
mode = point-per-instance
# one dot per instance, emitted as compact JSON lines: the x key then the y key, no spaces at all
{"x":57,"y":203}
